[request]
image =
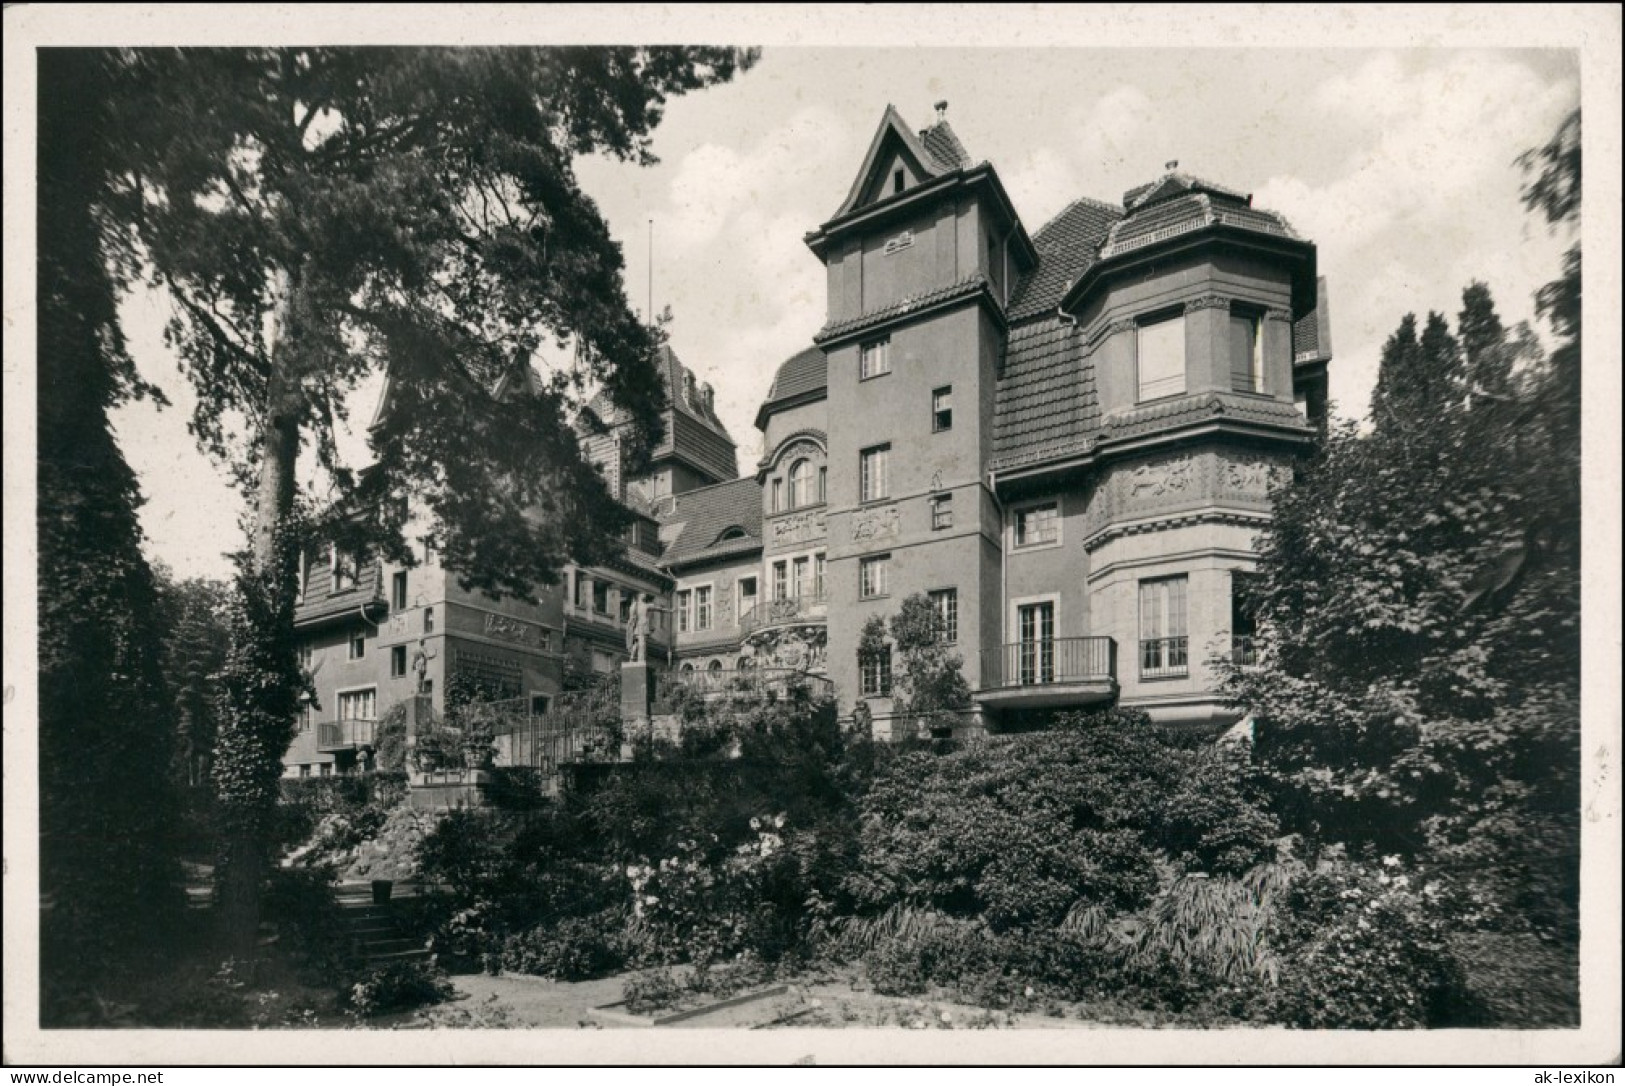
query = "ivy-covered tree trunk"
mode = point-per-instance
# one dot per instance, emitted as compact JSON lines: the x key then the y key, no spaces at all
{"x":108,"y":874}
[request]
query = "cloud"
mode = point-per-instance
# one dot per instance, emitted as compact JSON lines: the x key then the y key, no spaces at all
{"x":1425,"y":200}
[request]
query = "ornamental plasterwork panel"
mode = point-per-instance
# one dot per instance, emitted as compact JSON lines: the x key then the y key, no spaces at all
{"x":799,"y":647}
{"x":1207,"y":301}
{"x":874,"y":524}
{"x":798,"y":528}
{"x":801,"y":447}
{"x":1132,"y":490}
{"x":508,"y":629}
{"x":1251,"y":476}
{"x":1275,"y":313}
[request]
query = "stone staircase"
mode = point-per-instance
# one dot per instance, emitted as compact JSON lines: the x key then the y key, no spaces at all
{"x":373,"y":929}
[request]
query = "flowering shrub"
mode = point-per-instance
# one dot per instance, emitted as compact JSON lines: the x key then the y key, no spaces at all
{"x":1364,"y":948}
{"x":572,"y":948}
{"x":398,"y":986}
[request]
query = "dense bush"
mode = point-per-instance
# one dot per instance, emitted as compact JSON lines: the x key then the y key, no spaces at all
{"x":573,"y":948}
{"x":397,"y":986}
{"x":1362,"y":948}
{"x":301,"y":902}
{"x":1019,"y":829}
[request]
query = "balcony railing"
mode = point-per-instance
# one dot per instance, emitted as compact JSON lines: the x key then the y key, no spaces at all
{"x":346,"y":734}
{"x":810,"y":607}
{"x":751,"y":681}
{"x":1164,"y":657}
{"x":1056,"y":660}
{"x":1243,"y":652}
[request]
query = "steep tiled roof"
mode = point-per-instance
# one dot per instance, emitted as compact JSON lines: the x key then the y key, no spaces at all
{"x":1170,"y":185}
{"x":1045,"y":400}
{"x":1153,"y":222}
{"x":1067,"y":245}
{"x":804,"y":371}
{"x":971,"y":284}
{"x":693,"y":430}
{"x":945,"y":147}
{"x":704,"y":515}
{"x":1203,"y":405}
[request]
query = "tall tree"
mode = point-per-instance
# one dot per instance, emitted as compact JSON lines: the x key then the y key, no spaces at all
{"x":930,"y":678}
{"x":107,"y":875}
{"x":318,"y":214}
{"x":194,"y":617}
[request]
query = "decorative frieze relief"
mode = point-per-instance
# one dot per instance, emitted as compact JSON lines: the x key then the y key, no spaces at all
{"x":1207,"y":301}
{"x":899,"y":242}
{"x":508,"y":629}
{"x":872,"y":524}
{"x":1154,"y":480}
{"x":799,"y":528}
{"x":802,"y":447}
{"x":1275,"y":313}
{"x":1252,"y":476}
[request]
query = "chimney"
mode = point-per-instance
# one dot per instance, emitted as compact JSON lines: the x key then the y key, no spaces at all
{"x":709,"y":396}
{"x":942,"y":111}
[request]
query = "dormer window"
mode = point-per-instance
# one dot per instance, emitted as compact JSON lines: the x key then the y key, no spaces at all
{"x":1160,"y":355}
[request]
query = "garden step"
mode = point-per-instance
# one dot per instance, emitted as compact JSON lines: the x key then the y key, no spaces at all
{"x":381,"y":947}
{"x":419,"y":954}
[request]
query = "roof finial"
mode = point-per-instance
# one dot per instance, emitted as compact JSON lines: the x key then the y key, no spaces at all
{"x":942,"y":111}
{"x":1171,"y":164}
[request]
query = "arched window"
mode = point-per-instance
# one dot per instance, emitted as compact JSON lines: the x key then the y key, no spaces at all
{"x":745,"y":663}
{"x":716,"y":665}
{"x":688,"y":668}
{"x":734,"y":532}
{"x":801,"y":479}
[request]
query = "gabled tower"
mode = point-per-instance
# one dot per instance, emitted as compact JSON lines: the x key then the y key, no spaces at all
{"x":921,"y":258}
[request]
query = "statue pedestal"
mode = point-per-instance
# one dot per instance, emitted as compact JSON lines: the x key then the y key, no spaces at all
{"x":637,"y":691}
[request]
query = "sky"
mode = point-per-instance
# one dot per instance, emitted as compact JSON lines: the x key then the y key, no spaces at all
{"x":1397,"y":163}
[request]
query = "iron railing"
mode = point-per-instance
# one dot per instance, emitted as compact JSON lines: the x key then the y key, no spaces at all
{"x":1164,"y":657}
{"x":346,"y":734}
{"x":1243,"y":652}
{"x":751,"y":681}
{"x":1050,"y":660}
{"x":809,"y":607}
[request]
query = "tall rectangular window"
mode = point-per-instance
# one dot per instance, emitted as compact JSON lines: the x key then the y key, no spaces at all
{"x":874,"y":674}
{"x":942,"y":511}
{"x":428,"y":620}
{"x":874,"y":359}
{"x":1246,"y":352}
{"x":942,"y":409}
{"x":781,"y":580}
{"x":823,"y":483}
{"x":1164,"y":644}
{"x":397,"y":591}
{"x":818,"y":575}
{"x":798,"y":576}
{"x":778,"y":496}
{"x":397,"y":661}
{"x":579,"y":596}
{"x":946,"y":601}
{"x":872,"y":464}
{"x":600,"y":597}
{"x":358,"y":705}
{"x":358,"y":645}
{"x":747,"y":595}
{"x":1038,"y":525}
{"x":1035,"y":632}
{"x":873,"y":575}
{"x":1161,"y":353}
{"x":702,"y":608}
{"x":1243,"y":619}
{"x":685,"y":610}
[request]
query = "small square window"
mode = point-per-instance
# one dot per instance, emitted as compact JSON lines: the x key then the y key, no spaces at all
{"x":539,"y":704}
{"x":1038,"y":525}
{"x":942,"y":511}
{"x":942,"y":409}
{"x":397,"y":661}
{"x":874,"y":359}
{"x":358,"y":646}
{"x":873,"y":576}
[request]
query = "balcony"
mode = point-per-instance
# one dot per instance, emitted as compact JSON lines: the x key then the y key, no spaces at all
{"x":1049,"y":673}
{"x":1165,"y":658}
{"x":340,"y":735}
{"x":789,"y":611}
{"x":1243,"y":651}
